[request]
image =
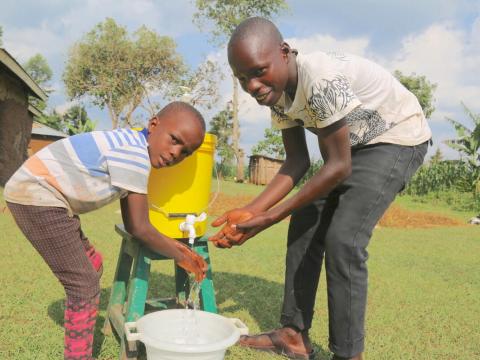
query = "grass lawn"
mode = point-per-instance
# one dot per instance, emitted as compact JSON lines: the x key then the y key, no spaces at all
{"x":424,"y":295}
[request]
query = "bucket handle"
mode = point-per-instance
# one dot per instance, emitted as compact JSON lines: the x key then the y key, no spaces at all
{"x":128,"y":334}
{"x":240,"y":325}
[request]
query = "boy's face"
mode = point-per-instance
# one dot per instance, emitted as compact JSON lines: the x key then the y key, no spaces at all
{"x":173,"y":137}
{"x":261,"y":67}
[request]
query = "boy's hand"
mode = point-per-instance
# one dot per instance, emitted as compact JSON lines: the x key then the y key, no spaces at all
{"x":228,"y":235}
{"x":253,"y":226}
{"x":192,"y":262}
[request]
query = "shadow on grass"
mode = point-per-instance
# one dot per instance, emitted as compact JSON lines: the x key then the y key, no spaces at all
{"x":234,"y":292}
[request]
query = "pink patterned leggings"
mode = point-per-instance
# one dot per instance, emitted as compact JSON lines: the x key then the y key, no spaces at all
{"x":60,"y":241}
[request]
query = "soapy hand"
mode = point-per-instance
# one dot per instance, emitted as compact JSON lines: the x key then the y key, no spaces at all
{"x":228,"y":235}
{"x":192,"y":262}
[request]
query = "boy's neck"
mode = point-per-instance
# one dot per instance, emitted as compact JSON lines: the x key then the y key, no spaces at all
{"x":292,"y":82}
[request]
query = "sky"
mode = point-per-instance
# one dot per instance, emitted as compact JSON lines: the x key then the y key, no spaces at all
{"x":436,"y":38}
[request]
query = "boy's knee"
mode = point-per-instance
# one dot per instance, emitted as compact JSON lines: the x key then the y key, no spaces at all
{"x":86,"y":288}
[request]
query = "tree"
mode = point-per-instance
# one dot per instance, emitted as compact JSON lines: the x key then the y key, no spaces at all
{"x":199,"y":87}
{"x":437,"y":157}
{"x":53,"y":120}
{"x":1,"y":35}
{"x":39,"y":70}
{"x":421,"y":88}
{"x":118,"y":71}
{"x":468,"y":144}
{"x":224,"y":16}
{"x":272,"y":145}
{"x":221,"y":126}
{"x":74,"y":121}
{"x":77,"y":121}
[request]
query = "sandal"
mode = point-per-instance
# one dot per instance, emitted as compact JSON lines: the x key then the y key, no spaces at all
{"x":278,"y":346}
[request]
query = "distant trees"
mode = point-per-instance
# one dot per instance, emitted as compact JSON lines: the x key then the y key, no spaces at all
{"x":221,"y":126}
{"x":75,"y":120}
{"x":421,"y":88}
{"x":224,"y":16}
{"x":453,"y":177}
{"x":39,"y":70}
{"x":271,"y":145}
{"x":117,"y":70}
{"x":468,"y":144}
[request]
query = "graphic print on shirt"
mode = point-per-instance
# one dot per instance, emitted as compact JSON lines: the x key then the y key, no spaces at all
{"x":278,"y":114}
{"x":329,"y":97}
{"x":364,"y":125}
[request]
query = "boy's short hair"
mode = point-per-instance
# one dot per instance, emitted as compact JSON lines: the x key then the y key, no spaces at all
{"x":182,"y":106}
{"x":254,"y":27}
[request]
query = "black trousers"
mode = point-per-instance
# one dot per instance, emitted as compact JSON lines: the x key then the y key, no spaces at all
{"x":338,"y":228}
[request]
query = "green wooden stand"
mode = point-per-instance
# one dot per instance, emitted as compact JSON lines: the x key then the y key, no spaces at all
{"x":128,"y":297}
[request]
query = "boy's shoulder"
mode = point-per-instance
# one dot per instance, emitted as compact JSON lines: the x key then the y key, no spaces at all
{"x":120,"y":138}
{"x":319,"y":63}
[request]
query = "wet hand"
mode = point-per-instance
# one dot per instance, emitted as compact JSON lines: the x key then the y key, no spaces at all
{"x":192,"y":262}
{"x":253,"y":226}
{"x":228,"y":236}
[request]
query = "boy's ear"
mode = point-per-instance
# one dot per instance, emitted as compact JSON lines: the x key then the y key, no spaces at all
{"x":153,"y":123}
{"x":285,"y":48}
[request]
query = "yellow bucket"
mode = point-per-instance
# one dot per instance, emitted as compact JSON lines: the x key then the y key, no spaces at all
{"x":174,"y":192}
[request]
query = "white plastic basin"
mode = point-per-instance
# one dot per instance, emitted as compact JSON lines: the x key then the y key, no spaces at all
{"x":182,"y":334}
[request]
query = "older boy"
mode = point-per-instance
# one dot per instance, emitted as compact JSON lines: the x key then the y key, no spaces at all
{"x":83,"y":173}
{"x":372,"y":135}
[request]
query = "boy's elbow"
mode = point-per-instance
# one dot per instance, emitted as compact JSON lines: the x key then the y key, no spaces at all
{"x":344,"y":171}
{"x":139,"y":231}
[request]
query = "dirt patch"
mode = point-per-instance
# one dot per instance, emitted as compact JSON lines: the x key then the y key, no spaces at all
{"x":225,"y":202}
{"x":399,"y":217}
{"x":395,"y":216}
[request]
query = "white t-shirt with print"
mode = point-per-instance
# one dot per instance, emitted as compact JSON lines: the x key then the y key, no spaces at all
{"x":376,"y":106}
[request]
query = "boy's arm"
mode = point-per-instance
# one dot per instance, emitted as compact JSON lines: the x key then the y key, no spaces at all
{"x":334,"y":144}
{"x":297,"y":162}
{"x":135,"y":218}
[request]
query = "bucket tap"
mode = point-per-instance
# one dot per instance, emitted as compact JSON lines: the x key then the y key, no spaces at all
{"x":189,"y":226}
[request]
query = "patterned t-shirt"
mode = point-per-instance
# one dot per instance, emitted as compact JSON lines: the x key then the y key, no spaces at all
{"x":83,"y":172}
{"x":376,"y":106}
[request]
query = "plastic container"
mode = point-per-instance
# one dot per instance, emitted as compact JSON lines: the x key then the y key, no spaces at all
{"x":174,"y":192}
{"x":181,"y":334}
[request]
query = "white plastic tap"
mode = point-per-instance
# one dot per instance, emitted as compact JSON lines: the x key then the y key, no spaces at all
{"x":189,"y":226}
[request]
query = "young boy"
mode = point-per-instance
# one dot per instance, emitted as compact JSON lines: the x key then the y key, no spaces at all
{"x":372,"y":135}
{"x":83,"y":173}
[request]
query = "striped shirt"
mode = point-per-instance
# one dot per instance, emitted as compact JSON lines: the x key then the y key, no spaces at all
{"x":83,"y":172}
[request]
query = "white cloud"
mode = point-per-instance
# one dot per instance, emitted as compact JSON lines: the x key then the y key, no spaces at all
{"x":25,"y":42}
{"x":63,"y":108}
{"x":447,"y":56}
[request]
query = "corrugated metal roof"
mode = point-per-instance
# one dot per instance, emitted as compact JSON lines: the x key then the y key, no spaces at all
{"x":41,"y":129}
{"x":17,"y":70}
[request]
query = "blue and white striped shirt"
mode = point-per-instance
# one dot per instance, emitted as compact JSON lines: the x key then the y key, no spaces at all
{"x":83,"y":172}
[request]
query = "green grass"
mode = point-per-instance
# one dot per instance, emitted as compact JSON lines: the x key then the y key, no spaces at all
{"x":424,"y":295}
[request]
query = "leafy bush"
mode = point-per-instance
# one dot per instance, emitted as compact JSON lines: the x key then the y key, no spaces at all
{"x":454,"y":182}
